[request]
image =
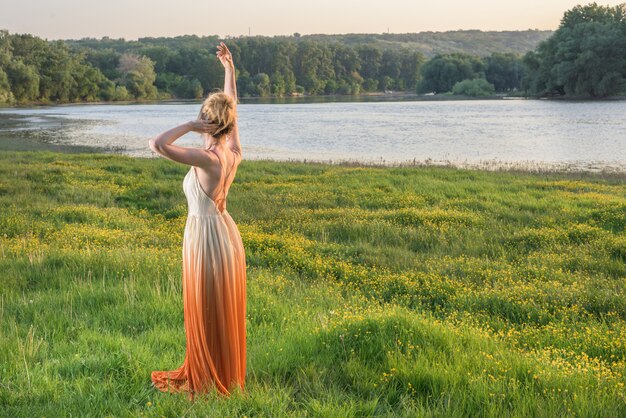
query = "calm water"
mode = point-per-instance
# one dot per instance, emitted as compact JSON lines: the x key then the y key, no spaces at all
{"x":485,"y":133}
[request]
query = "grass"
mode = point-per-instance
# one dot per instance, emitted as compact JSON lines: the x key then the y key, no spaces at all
{"x":372,"y":291}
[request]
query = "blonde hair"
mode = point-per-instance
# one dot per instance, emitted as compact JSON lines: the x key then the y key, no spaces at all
{"x":219,"y":109}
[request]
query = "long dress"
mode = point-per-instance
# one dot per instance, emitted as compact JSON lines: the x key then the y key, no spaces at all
{"x":214,"y":295}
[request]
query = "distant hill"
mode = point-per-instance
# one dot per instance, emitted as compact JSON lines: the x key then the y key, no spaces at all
{"x":473,"y":42}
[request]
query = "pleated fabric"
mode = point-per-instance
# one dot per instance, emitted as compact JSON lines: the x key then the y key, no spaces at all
{"x":214,"y":299}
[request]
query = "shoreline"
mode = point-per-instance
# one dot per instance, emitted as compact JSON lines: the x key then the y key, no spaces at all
{"x":527,"y":167}
{"x":32,"y":140}
{"x":489,"y":166}
{"x":399,"y":96}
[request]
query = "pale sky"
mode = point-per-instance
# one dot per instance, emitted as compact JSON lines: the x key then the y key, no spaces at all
{"x":130,"y":19}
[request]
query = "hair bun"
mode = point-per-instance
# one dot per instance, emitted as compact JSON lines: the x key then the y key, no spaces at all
{"x":219,"y":109}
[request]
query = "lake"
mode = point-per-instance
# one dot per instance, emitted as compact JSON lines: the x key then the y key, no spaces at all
{"x":572,"y":135}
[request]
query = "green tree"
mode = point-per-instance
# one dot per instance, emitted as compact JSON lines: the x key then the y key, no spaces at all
{"x":121,"y":93}
{"x":188,"y":88}
{"x":585,"y":57}
{"x":245,"y":86}
{"x":370,"y":84}
{"x":442,"y":72}
{"x":474,"y":88}
{"x":5,"y":58}
{"x":198,"y":63}
{"x":345,"y":62}
{"x":356,"y":82}
{"x":290,"y":81}
{"x":6,"y":96}
{"x":138,"y":76}
{"x":24,"y":80}
{"x":330,"y":87}
{"x":410,"y":69}
{"x":313,"y":66}
{"x":592,"y":12}
{"x":387,"y":83}
{"x":87,"y":83}
{"x":504,"y":71}
{"x":262,"y":84}
{"x":106,"y":60}
{"x":371,"y":60}
{"x":5,"y":48}
{"x":107,"y":90}
{"x":390,"y":68}
{"x":277,"y":84}
{"x":160,"y":55}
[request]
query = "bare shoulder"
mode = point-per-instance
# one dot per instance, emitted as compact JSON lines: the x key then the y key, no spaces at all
{"x":185,"y":155}
{"x":210,"y":162}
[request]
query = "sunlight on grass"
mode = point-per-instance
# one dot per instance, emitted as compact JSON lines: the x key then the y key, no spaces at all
{"x":371,"y":291}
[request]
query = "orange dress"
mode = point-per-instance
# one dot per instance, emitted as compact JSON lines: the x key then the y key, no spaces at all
{"x":214,"y":295}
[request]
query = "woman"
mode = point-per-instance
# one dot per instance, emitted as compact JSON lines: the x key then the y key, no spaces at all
{"x":214,"y":266}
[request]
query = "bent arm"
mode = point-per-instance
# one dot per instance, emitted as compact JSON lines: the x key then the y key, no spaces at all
{"x":162,"y":145}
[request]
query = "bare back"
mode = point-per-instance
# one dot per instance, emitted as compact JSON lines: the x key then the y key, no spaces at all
{"x":216,"y":178}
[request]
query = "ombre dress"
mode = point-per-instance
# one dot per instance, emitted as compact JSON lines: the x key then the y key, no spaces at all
{"x":214,"y":295}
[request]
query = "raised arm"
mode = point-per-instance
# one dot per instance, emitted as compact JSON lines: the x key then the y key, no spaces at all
{"x":230,"y":88}
{"x":226,"y":58}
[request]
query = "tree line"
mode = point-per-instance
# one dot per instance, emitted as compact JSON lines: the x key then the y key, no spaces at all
{"x":584,"y":57}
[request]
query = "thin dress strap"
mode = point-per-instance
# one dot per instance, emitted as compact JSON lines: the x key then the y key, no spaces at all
{"x":229,"y":172}
{"x":224,"y":177}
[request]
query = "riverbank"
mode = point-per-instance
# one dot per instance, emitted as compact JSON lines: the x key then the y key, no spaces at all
{"x":534,"y":136}
{"x":568,"y":170}
{"x":395,"y":96}
{"x":397,"y":291}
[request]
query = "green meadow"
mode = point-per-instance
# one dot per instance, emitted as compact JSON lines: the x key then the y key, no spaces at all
{"x":372,"y":291}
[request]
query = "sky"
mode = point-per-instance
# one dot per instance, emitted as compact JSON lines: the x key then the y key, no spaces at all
{"x":131,"y":19}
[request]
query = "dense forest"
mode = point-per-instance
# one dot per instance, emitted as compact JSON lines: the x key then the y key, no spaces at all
{"x":584,"y":57}
{"x":472,"y":42}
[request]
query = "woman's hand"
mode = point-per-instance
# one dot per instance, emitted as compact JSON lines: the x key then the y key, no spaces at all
{"x":202,"y":126}
{"x":225,"y":57}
